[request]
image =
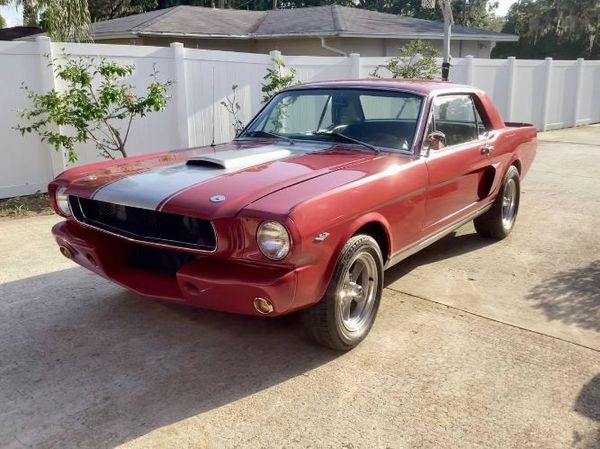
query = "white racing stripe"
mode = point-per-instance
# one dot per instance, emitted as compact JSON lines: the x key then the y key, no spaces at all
{"x":149,"y":189}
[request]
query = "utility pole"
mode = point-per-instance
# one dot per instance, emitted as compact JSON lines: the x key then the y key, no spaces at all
{"x":274,"y":4}
{"x":448,"y":22}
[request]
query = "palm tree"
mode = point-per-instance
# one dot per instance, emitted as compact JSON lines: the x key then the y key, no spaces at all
{"x":30,"y":10}
{"x":68,"y":20}
{"x":64,"y":20}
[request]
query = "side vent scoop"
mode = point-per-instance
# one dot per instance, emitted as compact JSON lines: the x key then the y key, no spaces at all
{"x":239,"y":159}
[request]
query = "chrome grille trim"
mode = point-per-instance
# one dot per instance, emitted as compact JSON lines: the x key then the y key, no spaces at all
{"x":151,"y":240}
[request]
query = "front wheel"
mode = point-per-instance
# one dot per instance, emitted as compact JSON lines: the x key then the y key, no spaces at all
{"x":500,"y":219}
{"x":345,"y":315}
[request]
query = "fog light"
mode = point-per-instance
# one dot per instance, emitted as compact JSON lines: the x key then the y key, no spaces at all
{"x":66,"y":252}
{"x":263,"y":306}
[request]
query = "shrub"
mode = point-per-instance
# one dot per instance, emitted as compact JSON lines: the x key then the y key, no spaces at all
{"x":416,"y":60}
{"x":276,"y":79}
{"x":94,"y":105}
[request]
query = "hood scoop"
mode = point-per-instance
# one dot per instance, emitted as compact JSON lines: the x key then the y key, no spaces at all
{"x":239,"y":159}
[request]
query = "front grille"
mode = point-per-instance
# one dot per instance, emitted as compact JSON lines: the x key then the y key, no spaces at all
{"x":146,"y":225}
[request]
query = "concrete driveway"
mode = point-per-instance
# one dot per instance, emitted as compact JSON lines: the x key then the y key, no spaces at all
{"x":478,"y":345}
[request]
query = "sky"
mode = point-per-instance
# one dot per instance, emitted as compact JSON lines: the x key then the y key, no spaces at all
{"x":13,"y":17}
{"x":503,"y":6}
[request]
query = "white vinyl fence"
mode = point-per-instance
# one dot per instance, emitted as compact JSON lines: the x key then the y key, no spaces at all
{"x":550,"y":94}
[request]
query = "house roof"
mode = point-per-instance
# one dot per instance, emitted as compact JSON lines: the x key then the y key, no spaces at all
{"x":12,"y":33}
{"x":319,"y":21}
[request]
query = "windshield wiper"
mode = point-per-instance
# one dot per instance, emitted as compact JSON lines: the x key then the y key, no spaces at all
{"x":348,"y":138}
{"x":270,"y":134}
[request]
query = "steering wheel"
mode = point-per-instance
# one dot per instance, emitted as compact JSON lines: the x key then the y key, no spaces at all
{"x":388,"y":140}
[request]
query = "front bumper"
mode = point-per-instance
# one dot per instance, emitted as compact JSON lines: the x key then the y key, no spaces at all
{"x":205,"y":282}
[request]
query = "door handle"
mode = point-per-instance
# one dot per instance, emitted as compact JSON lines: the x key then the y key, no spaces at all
{"x":487,"y":149}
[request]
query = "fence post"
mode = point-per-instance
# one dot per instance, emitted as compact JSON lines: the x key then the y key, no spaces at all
{"x":58,"y":159}
{"x":183,"y":126}
{"x":547,"y":83}
{"x":469,"y":62}
{"x":578,"y":83}
{"x":510,"y":87}
{"x":354,"y":65}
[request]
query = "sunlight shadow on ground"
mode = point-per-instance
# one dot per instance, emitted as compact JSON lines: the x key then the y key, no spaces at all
{"x":450,"y":246}
{"x":572,"y":296}
{"x":91,"y":355}
{"x":588,"y":405}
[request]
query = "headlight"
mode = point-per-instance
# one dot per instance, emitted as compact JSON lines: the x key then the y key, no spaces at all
{"x":273,"y":240}
{"x":62,"y":201}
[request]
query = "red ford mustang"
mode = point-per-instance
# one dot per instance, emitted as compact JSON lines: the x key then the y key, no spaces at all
{"x":330,"y":184}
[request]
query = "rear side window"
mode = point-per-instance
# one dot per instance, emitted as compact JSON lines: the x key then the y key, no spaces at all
{"x":457,"y":117}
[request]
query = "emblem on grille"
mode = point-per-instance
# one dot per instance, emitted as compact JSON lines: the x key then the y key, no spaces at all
{"x":217,"y":198}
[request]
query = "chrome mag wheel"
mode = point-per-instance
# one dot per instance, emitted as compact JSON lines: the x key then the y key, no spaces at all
{"x":509,"y":204}
{"x":357,"y":294}
{"x":347,"y":311}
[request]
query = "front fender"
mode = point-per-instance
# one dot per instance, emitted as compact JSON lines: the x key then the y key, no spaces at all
{"x":314,"y":279}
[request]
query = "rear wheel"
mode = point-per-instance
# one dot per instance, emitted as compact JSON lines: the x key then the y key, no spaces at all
{"x":500,"y":219}
{"x":345,"y":315}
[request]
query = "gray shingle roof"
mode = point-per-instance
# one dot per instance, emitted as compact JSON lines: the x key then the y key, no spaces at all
{"x":324,"y":21}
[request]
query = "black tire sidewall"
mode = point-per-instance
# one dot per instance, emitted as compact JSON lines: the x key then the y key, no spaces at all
{"x":353,"y":247}
{"x":512,"y":173}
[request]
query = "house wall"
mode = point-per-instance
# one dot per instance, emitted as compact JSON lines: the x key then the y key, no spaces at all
{"x":550,"y":94}
{"x":310,"y":46}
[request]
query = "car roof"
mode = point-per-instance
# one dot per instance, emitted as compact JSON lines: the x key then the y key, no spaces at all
{"x":423,"y":87}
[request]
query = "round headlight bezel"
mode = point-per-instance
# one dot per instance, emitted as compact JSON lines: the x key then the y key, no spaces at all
{"x":62,"y":201}
{"x":278,"y":245}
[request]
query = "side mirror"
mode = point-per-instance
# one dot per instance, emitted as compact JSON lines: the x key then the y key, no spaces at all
{"x":436,"y":140}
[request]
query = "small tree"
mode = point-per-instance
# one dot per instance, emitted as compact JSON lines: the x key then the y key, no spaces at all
{"x":232,"y":106}
{"x":276,"y":79}
{"x":94,"y":105}
{"x":415,"y":61}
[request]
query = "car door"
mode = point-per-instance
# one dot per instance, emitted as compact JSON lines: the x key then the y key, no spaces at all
{"x":461,"y":168}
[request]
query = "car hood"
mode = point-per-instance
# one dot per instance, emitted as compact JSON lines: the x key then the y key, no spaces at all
{"x":210,"y":182}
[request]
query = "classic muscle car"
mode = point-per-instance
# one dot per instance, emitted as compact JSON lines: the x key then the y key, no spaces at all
{"x":329,"y":185}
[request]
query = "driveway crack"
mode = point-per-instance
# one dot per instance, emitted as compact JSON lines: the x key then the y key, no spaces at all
{"x":493,"y":319}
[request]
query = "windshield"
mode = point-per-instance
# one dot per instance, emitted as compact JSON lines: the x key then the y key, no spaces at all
{"x":383,"y":119}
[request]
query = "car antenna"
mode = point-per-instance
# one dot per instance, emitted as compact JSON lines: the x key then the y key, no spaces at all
{"x":212,"y":144}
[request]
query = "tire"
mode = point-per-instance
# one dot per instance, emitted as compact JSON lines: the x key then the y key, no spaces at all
{"x":497,"y":222}
{"x":345,"y":315}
